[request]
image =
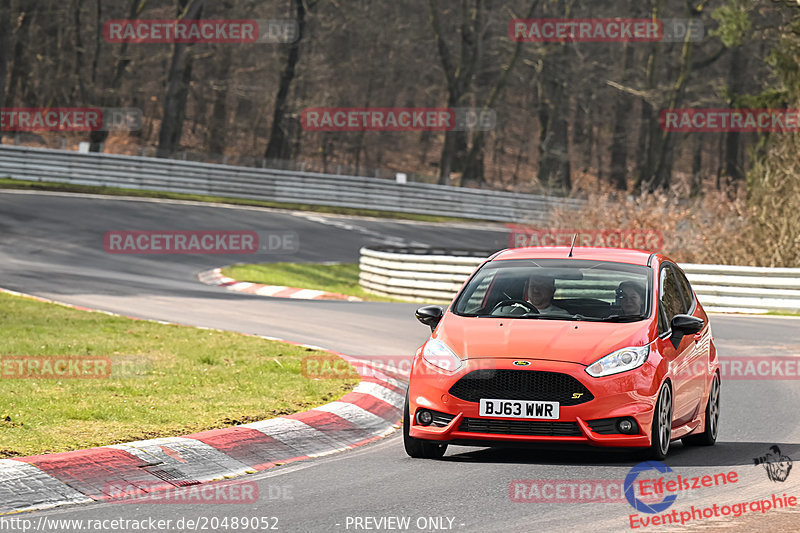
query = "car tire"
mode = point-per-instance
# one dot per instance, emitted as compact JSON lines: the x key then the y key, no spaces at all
{"x":709,"y":435}
{"x":661,"y":435}
{"x":419,"y":448}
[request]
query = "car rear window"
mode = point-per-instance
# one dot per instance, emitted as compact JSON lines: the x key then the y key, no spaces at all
{"x":581,"y":290}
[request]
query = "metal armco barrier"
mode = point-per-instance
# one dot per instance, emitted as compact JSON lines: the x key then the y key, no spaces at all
{"x":436,"y":276}
{"x":148,"y":173}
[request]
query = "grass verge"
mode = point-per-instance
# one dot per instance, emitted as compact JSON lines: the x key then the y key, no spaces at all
{"x":341,"y":278}
{"x":7,"y":183}
{"x":165,"y":380}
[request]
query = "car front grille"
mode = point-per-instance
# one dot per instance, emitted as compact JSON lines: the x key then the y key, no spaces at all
{"x":520,"y":427}
{"x":538,"y":385}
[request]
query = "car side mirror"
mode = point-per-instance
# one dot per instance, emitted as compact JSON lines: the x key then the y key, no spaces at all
{"x":430,"y":315}
{"x":685,"y":325}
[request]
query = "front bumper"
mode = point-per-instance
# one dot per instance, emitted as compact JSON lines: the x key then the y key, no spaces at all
{"x":629,"y":394}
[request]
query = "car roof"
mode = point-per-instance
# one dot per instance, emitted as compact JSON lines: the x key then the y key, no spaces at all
{"x":617,"y":255}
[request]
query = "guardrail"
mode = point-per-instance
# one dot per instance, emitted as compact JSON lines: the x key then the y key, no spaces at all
{"x":148,"y":173}
{"x":431,"y":275}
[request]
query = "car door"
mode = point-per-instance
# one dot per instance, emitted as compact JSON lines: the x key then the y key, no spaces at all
{"x":702,"y":342}
{"x":680,"y":357}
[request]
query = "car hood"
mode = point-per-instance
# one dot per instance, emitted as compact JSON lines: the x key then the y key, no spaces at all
{"x":555,"y":340}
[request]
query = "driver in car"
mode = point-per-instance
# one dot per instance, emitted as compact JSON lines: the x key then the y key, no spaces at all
{"x":631,"y":297}
{"x":539,"y":293}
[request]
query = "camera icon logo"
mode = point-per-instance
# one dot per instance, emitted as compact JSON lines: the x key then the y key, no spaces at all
{"x":775,"y":463}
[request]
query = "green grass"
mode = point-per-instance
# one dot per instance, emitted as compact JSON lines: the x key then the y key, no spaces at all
{"x":341,"y":278}
{"x":166,"y":380}
{"x":781,"y":313}
{"x":7,"y":183}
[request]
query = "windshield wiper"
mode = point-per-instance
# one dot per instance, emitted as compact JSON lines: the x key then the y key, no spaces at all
{"x":621,"y":318}
{"x":547,"y":317}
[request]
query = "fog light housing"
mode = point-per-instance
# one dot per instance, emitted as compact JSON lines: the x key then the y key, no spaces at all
{"x":424,"y":417}
{"x":627,"y":426}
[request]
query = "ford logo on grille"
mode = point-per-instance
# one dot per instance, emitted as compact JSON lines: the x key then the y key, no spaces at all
{"x":522,"y":363}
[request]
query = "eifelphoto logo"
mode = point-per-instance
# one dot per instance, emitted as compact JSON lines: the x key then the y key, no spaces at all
{"x":604,"y":30}
{"x":30,"y":119}
{"x":397,"y":119}
{"x":138,"y":31}
{"x":665,"y":490}
{"x":637,"y":503}
{"x":715,"y":120}
{"x":54,"y":367}
{"x":200,"y":242}
{"x":775,"y":463}
{"x":642,"y":239}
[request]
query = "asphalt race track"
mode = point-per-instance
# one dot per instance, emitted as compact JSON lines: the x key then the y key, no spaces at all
{"x":51,"y":245}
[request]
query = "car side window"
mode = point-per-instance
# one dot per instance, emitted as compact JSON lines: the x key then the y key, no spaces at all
{"x":670,"y":294}
{"x":476,"y":299}
{"x":663,"y":327}
{"x":686,"y":290}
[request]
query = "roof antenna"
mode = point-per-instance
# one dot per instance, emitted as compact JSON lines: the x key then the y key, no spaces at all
{"x":573,"y":244}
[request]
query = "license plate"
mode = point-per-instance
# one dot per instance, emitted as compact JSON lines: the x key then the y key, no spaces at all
{"x":519,"y":409}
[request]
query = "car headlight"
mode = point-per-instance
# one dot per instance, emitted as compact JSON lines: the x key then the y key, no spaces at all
{"x":619,"y":361}
{"x":440,"y":355}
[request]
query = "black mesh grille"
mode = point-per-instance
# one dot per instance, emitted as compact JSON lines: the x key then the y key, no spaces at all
{"x":605,"y":426}
{"x":441,"y":419}
{"x":521,"y":385}
{"x":520,"y":427}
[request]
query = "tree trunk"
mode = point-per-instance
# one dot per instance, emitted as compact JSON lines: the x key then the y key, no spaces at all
{"x":619,"y":140}
{"x":111,"y":95}
{"x":459,"y":77}
{"x":278,"y":146}
{"x":21,"y":36}
{"x":5,"y":31}
{"x":732,"y":169}
{"x":178,"y":80}
{"x":554,"y":165}
{"x":696,"y":188}
{"x":662,"y":174}
{"x":80,"y":90}
{"x":218,"y":125}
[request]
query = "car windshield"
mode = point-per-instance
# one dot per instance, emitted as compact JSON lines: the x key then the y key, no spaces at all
{"x":557,"y":289}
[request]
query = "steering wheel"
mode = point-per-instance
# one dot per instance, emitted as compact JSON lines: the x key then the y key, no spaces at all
{"x":523,"y":303}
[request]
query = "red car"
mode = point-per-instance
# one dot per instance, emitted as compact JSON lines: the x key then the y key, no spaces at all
{"x":600,"y":346}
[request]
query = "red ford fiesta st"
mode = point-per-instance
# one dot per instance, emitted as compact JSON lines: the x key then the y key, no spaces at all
{"x":600,"y":346}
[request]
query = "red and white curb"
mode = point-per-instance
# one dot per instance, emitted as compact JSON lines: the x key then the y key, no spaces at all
{"x":371,"y":411}
{"x":215,"y":277}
